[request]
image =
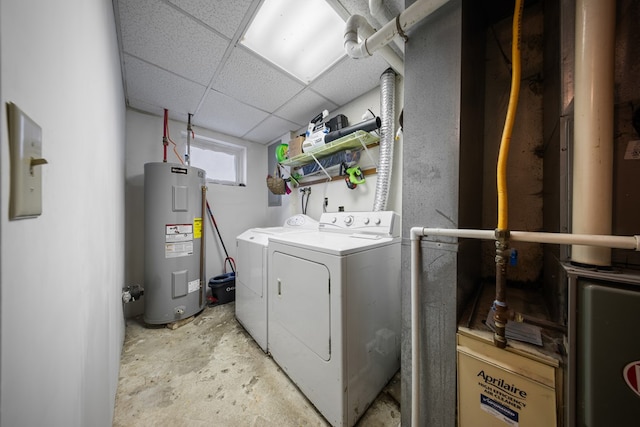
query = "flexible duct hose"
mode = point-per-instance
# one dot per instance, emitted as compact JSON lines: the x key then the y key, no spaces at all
{"x":387,"y":115}
{"x":503,"y":209}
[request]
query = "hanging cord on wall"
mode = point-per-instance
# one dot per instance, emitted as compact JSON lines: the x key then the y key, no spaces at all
{"x":231,"y":261}
{"x":189,"y":133}
{"x":307,"y":192}
{"x":165,"y":141}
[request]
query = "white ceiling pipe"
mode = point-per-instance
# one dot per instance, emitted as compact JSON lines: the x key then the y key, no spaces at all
{"x":377,"y":10}
{"x":407,"y":19}
{"x":593,"y":126}
{"x":417,"y":233}
{"x":381,"y":15}
{"x":358,"y":25}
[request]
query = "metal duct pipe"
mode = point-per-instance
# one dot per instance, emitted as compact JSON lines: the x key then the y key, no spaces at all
{"x":593,"y":126}
{"x":358,"y":23}
{"x":385,"y":161}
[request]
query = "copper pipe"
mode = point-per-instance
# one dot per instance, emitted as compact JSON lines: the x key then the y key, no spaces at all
{"x":525,"y":318}
{"x":202,"y":237}
{"x":501,"y":315}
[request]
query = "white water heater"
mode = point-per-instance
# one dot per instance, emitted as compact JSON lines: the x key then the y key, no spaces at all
{"x":174,"y":276}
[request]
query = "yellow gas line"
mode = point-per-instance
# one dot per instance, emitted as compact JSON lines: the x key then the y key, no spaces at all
{"x":503,"y":208}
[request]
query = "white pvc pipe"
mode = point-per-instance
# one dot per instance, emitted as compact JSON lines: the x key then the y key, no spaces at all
{"x":593,"y":126}
{"x":407,"y":19}
{"x":379,"y":13}
{"x":416,"y":346}
{"x":358,"y":25}
{"x":376,"y":8}
{"x":416,"y":234}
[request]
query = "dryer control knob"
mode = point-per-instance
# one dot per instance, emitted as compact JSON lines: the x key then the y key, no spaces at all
{"x":366,"y":221}
{"x":348,"y":220}
{"x":378,"y":221}
{"x":333,"y":220}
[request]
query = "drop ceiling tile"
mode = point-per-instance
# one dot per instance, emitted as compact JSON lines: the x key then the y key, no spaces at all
{"x":251,"y":80}
{"x":362,"y":75}
{"x":226,"y":115}
{"x":359,"y":7}
{"x":160,"y":88}
{"x":158,"y":33}
{"x":224,"y":16}
{"x":272,"y":128}
{"x":305,"y":106}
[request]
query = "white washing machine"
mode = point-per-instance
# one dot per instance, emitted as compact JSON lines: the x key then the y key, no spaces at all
{"x":334,"y":310}
{"x":251,"y":273}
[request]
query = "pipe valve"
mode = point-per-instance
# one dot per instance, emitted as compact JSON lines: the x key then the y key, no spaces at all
{"x":131,"y":293}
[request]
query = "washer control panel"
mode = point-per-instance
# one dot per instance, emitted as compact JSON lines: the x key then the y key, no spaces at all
{"x":381,"y":223}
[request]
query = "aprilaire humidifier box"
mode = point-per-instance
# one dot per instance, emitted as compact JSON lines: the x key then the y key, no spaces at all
{"x":499,"y":388}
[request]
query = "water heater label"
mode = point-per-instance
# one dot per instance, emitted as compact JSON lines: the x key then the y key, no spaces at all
{"x":197,"y":228}
{"x":179,"y":229}
{"x":178,"y":240}
{"x":180,"y":249}
{"x":194,"y":285}
{"x":179,"y":170}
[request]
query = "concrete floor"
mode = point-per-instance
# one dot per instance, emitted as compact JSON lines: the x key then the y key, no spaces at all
{"x":210,"y":372}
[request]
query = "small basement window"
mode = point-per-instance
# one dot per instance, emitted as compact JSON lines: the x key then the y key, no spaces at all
{"x":224,"y":162}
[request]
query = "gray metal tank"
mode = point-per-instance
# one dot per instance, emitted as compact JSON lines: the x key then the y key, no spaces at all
{"x":174,"y":275}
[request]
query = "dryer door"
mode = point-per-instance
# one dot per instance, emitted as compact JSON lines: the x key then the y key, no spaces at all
{"x":301,"y":302}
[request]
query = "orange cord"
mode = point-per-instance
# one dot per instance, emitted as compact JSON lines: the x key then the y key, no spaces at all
{"x":174,"y":144}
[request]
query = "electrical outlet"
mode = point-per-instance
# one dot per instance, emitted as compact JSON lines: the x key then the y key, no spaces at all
{"x":25,"y":145}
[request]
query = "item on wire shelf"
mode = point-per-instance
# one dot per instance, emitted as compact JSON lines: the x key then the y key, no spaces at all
{"x":295,"y":147}
{"x":367,"y":126}
{"x":282,"y":152}
{"x":276,"y":183}
{"x":336,"y":159}
{"x":337,"y":122}
{"x":354,"y":176}
{"x":316,"y":130}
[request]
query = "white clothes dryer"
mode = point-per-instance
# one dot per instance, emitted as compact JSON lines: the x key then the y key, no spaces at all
{"x":334,"y":310}
{"x":251,"y":274}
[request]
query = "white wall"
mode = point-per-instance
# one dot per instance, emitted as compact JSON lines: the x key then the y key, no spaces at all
{"x":235,"y":208}
{"x":61,"y":314}
{"x":338,"y":194}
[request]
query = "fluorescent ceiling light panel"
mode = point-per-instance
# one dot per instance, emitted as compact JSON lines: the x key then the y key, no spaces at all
{"x":303,"y":38}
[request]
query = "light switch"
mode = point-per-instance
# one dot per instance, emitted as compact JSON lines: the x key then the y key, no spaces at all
{"x":25,"y":146}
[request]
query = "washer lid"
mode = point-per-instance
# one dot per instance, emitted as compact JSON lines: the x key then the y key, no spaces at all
{"x":253,"y":236}
{"x":334,"y":243}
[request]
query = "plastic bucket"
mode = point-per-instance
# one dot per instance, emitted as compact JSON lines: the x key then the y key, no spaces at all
{"x":223,"y":288}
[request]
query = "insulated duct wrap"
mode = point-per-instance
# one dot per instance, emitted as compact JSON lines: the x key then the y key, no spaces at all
{"x":387,"y":115}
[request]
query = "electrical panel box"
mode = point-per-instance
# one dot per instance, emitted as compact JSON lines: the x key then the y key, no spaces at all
{"x":25,"y":146}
